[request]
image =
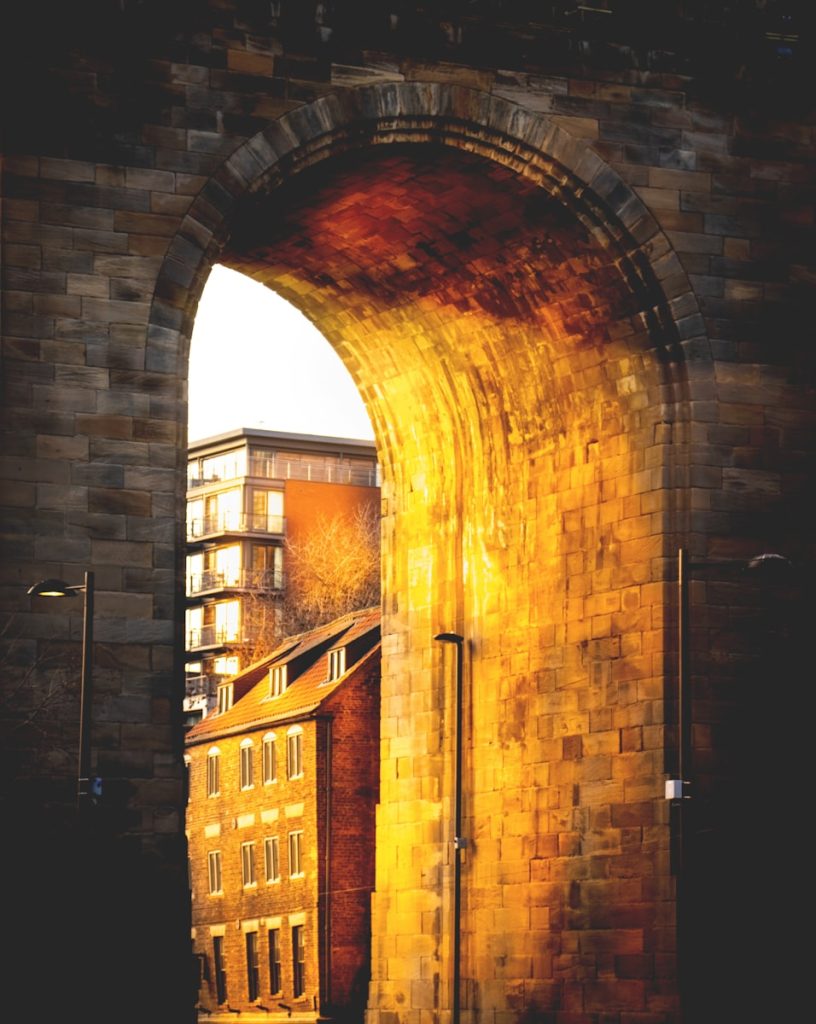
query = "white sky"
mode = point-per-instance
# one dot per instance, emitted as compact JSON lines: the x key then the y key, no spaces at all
{"x":255,"y":361}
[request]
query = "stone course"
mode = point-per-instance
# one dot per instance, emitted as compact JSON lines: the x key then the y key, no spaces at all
{"x":574,"y":302}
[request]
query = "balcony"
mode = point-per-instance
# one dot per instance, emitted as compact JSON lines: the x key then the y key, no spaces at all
{"x":211,"y":637}
{"x":235,"y":523}
{"x":201,"y":686}
{"x":253,"y":580}
{"x":318,"y":469}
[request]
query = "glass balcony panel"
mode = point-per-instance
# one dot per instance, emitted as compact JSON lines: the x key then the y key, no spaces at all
{"x":245,"y":579}
{"x":213,"y":526}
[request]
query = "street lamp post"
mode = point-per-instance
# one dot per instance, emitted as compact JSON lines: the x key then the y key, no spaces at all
{"x":768,"y":563}
{"x":458,"y":842}
{"x":59,"y":588}
{"x":679,"y":790}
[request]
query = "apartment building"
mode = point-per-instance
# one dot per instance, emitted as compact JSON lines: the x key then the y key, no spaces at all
{"x":248,"y":492}
{"x":283,"y":784}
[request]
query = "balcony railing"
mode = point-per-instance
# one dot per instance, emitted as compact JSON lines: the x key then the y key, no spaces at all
{"x":235,"y":522}
{"x":201,"y":686}
{"x":203,"y":637}
{"x":264,"y":580}
{"x":319,"y":470}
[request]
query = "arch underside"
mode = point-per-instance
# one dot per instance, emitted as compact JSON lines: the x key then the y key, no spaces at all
{"x":514,"y":339}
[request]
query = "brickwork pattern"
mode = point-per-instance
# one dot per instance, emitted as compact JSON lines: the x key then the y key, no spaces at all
{"x":332,"y":804}
{"x":605,"y":359}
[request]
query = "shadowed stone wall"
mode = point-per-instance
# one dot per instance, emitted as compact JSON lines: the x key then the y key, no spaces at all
{"x":573,"y":293}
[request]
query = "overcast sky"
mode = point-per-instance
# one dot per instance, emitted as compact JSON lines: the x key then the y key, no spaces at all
{"x":255,"y":361}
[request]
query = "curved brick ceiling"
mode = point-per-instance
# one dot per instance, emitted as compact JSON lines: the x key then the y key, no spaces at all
{"x":457,"y":292}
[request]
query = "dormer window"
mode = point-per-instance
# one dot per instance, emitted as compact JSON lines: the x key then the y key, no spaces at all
{"x":277,"y":680}
{"x":337,"y":663}
{"x":224,"y":697}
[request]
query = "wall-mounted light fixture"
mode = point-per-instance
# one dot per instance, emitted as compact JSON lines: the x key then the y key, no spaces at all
{"x":86,"y":786}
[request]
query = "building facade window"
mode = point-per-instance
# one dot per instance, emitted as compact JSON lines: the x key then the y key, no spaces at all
{"x":220,"y":967}
{"x":227,"y":621}
{"x":298,"y":961}
{"x":272,"y":859}
{"x":253,"y":971}
{"x":214,"y":872}
{"x":222,"y":511}
{"x":195,"y":627}
{"x":267,"y":511}
{"x":245,"y":764}
{"x":226,"y":665}
{"x":337,"y":663}
{"x":248,"y":877}
{"x":224,"y":569}
{"x":270,"y":758}
{"x":295,"y":854}
{"x":267,"y":566}
{"x":213,"y":772}
{"x":277,"y":680}
{"x":225,"y":693}
{"x":294,"y":752}
{"x":195,"y":573}
{"x":275,"y":985}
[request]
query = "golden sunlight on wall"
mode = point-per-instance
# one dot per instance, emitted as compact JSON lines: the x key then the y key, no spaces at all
{"x":506,"y":367}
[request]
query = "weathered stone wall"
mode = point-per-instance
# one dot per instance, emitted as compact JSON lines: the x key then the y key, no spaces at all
{"x":573,"y":296}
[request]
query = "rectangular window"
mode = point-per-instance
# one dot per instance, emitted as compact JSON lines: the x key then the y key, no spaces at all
{"x":274,"y":961}
{"x":228,"y":566}
{"x":227,"y":621}
{"x":213,"y":774}
{"x":295,"y":854}
{"x":214,"y":871}
{"x":277,"y":680}
{"x":224,"y":466}
{"x":267,"y":511}
{"x":220,"y":966}
{"x":223,"y":511}
{"x":294,"y":755}
{"x":270,"y":760}
{"x":226,"y":665}
{"x":195,"y":572}
{"x":253,"y":973}
{"x":272,"y":859}
{"x":195,"y":519}
{"x":267,"y":566}
{"x":246,"y":766}
{"x":337,"y":663}
{"x":248,"y":864}
{"x":298,"y":961}
{"x":225,"y":693}
{"x":195,"y":628}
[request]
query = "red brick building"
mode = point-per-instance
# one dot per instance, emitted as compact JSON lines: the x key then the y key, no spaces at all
{"x":283,"y":785}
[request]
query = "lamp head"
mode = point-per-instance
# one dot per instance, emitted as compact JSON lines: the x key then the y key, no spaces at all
{"x":449,"y":638}
{"x":53,"y":588}
{"x":770,"y":564}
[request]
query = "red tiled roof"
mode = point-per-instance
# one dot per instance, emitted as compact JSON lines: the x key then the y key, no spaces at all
{"x":254,"y":708}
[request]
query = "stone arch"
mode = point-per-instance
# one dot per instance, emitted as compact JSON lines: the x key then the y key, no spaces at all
{"x":464,"y":119}
{"x":581,"y":422}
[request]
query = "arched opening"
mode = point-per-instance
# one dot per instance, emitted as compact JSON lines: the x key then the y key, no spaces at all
{"x":517,"y":335}
{"x":256,"y":361}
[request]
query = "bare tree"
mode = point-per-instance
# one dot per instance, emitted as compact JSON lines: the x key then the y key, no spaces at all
{"x":333,"y":569}
{"x":261,"y":625}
